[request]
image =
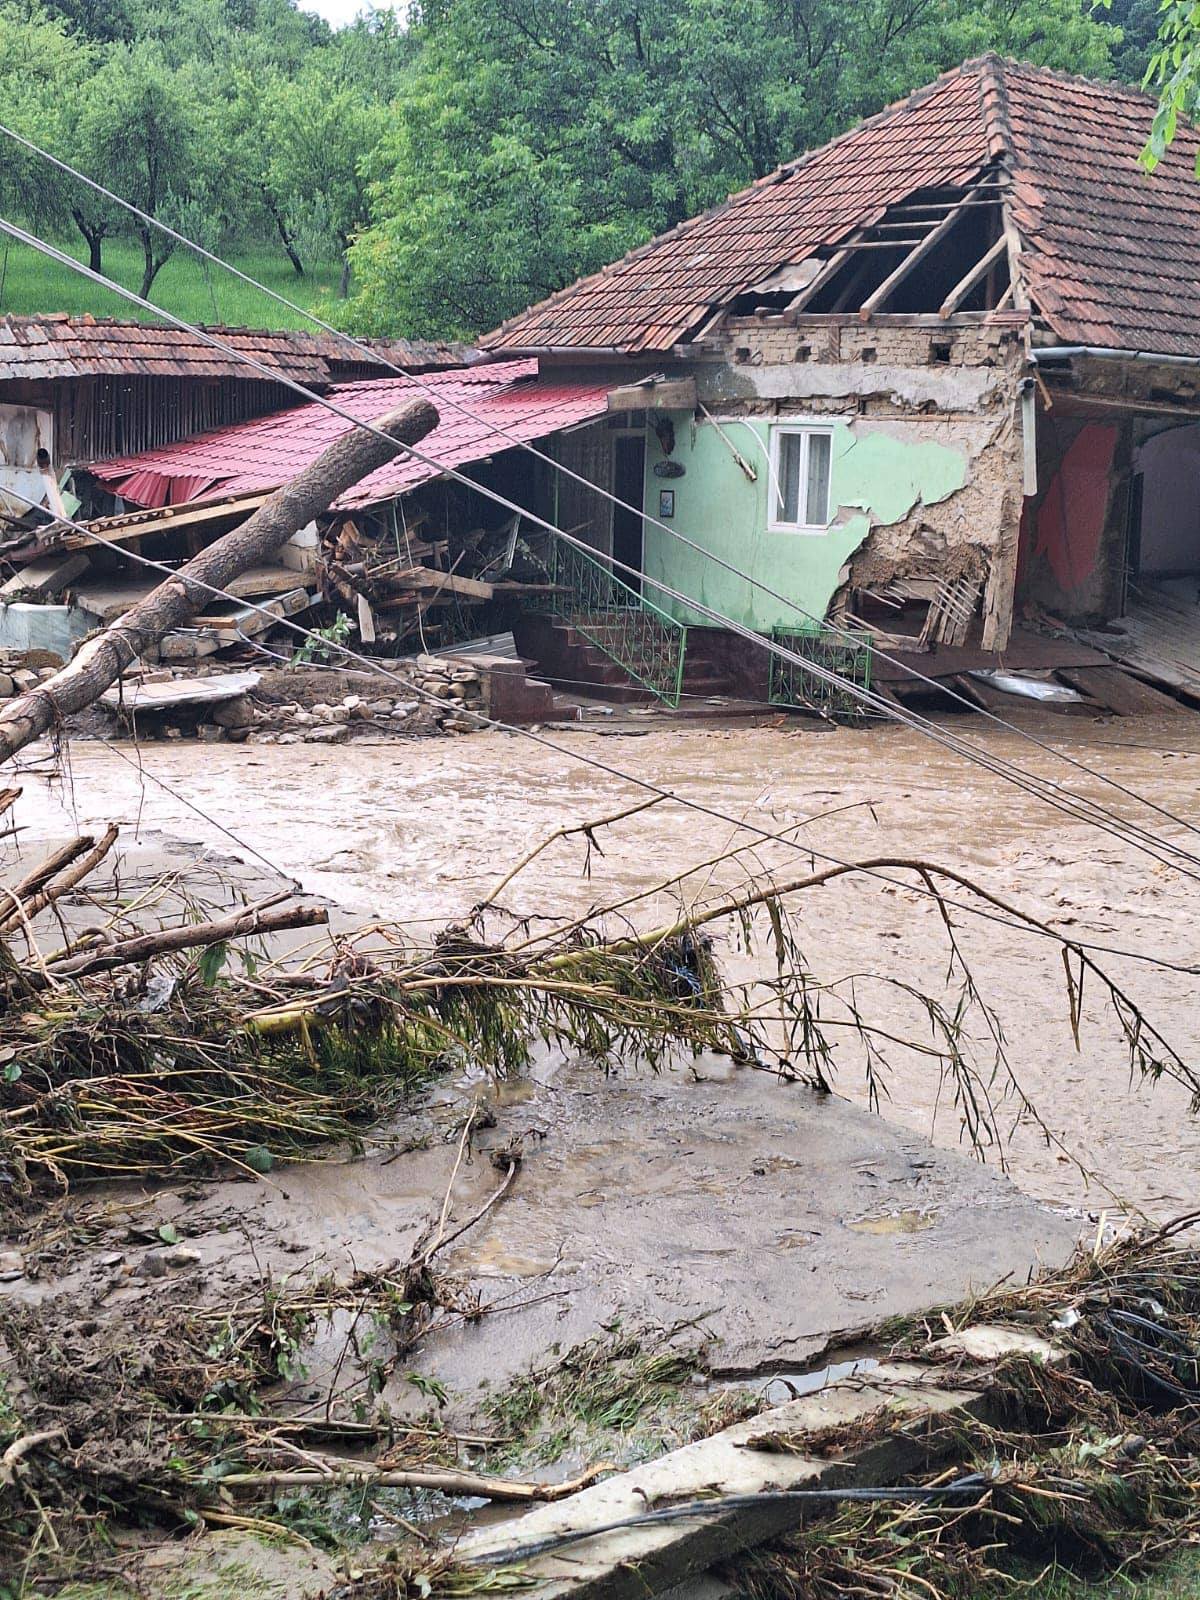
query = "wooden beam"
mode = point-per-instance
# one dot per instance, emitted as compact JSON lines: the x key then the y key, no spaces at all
{"x":656,"y":394}
{"x":892,"y":282}
{"x":141,"y":524}
{"x":969,"y":279}
{"x":449,"y":582}
{"x":828,"y":271}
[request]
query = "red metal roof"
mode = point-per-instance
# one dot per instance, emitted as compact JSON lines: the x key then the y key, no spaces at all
{"x":36,"y":348}
{"x":1111,"y":254}
{"x":252,"y":456}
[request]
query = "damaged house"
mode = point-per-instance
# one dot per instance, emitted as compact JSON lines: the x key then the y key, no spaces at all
{"x":924,"y":401}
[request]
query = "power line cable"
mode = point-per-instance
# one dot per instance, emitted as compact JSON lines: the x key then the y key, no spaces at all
{"x":377,"y":357}
{"x":1073,"y":805}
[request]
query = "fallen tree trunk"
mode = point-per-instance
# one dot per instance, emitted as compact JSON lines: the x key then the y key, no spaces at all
{"x":101,"y":661}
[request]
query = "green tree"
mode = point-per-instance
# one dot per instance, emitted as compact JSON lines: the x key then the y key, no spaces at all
{"x":320,"y":133}
{"x":533,"y":140}
{"x":1175,"y":71}
{"x":138,"y":127}
{"x":42,"y":66}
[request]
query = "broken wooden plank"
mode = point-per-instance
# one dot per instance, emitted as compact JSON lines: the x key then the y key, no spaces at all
{"x":49,"y":576}
{"x":1120,"y":692}
{"x":135,"y":525}
{"x":232,"y":626}
{"x":130,"y":698}
{"x":428,"y":578}
{"x":110,"y":600}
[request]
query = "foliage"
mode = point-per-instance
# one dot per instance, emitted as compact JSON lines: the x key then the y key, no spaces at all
{"x":535,"y":140}
{"x":466,"y":157}
{"x":1175,"y":70}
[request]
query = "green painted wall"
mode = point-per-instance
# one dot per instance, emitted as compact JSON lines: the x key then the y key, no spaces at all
{"x":876,"y":477}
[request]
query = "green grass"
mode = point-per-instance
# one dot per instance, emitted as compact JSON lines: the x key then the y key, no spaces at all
{"x":1177,"y":1579}
{"x":31,"y":284}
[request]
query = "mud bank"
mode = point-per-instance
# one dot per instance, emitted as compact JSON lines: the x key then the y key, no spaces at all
{"x":421,"y":832}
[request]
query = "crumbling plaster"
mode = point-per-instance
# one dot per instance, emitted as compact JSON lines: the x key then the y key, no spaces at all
{"x":925,"y":480}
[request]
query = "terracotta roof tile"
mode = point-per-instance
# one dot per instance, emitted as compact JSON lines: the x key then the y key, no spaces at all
{"x":37,"y":348}
{"x":1112,"y":255}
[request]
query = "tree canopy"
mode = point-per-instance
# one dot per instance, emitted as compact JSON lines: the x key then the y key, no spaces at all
{"x":461,"y":158}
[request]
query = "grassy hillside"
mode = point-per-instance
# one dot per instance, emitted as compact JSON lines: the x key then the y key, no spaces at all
{"x":30,"y":284}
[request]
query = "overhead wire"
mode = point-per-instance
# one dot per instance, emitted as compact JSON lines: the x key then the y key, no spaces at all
{"x":1065,"y":801}
{"x":378,"y":357}
{"x":375,"y":665}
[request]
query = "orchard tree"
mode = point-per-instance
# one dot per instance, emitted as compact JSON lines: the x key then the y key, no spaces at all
{"x":139,"y":127}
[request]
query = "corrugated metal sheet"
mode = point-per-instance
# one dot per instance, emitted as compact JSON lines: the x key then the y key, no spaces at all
{"x":1111,"y":254}
{"x":263,"y":454}
{"x":40,"y":348}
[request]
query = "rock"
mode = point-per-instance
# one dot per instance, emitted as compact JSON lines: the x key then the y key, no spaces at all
{"x":237,"y":713}
{"x":352,"y":702}
{"x":455,"y":691}
{"x":24,"y":679}
{"x":330,"y":733}
{"x":170,"y":732}
{"x":154,"y":1264}
{"x":12,"y":1266}
{"x":7,"y":686}
{"x":183,"y":1257}
{"x":237,"y":735}
{"x":302,"y":718}
{"x":287,"y":738}
{"x":379,"y":708}
{"x":443,"y":691}
{"x":319,"y":712}
{"x":465,"y":675}
{"x":209,"y":733}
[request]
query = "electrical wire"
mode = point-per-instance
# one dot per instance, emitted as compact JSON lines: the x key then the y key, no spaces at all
{"x":378,"y":358}
{"x":374,"y":665}
{"x":1073,"y":805}
{"x":977,"y":1484}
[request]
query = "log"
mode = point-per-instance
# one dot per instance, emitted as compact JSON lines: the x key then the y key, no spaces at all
{"x":102,"y":660}
{"x":242,"y":924}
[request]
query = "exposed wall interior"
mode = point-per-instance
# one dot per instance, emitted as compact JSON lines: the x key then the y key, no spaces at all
{"x":1168,"y":542}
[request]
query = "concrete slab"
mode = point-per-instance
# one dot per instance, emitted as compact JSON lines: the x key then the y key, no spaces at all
{"x":607,"y":1562}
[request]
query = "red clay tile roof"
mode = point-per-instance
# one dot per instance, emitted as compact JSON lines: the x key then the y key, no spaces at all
{"x":1111,"y":255}
{"x":497,"y":399}
{"x":38,"y":348}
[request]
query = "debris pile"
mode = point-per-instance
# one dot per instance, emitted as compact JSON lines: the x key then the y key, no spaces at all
{"x":297,"y":704}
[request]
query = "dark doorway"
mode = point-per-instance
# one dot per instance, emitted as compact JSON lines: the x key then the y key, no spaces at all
{"x":629,"y":467}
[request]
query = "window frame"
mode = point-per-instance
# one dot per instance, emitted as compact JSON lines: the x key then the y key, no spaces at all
{"x":806,"y":428}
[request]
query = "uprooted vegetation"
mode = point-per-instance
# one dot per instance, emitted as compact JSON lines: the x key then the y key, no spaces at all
{"x":187,"y":1051}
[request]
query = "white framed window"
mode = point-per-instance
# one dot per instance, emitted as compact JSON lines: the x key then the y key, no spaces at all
{"x":801,"y":460}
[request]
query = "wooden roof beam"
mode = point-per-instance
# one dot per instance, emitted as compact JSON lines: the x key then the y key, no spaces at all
{"x":892,"y":282}
{"x":969,"y":279}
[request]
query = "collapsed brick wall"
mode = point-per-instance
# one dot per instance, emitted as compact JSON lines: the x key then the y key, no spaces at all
{"x":954,"y":383}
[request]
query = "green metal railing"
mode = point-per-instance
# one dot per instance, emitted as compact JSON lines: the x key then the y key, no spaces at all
{"x":793,"y":684}
{"x":641,"y":638}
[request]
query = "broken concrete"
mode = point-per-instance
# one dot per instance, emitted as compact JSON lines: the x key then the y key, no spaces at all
{"x":648,"y":1558}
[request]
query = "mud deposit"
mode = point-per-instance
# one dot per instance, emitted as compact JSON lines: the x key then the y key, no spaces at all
{"x":420,"y":832}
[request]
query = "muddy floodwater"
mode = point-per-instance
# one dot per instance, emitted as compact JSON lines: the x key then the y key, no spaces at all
{"x":419,"y":832}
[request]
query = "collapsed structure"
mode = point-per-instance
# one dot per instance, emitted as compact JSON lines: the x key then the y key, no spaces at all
{"x":924,"y":388}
